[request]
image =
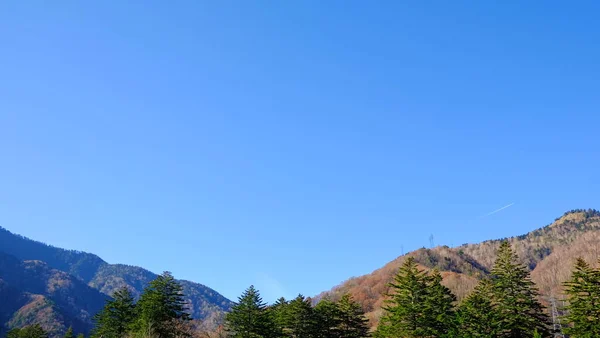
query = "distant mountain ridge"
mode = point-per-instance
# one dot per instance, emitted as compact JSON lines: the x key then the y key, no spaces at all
{"x":86,"y":271}
{"x":549,"y":252}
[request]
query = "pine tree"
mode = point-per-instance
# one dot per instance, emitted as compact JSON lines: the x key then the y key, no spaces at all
{"x":328,"y":316}
{"x":69,"y":333}
{"x":162,"y":309}
{"x":279,"y":313}
{"x":518,"y":311}
{"x":249,"y":317}
{"x":439,"y":307}
{"x":476,"y":314}
{"x":31,"y":331}
{"x":405,"y":313}
{"x":352,"y":322}
{"x":80,"y":335}
{"x":302,"y":322}
{"x":583,"y":296}
{"x":116,"y":317}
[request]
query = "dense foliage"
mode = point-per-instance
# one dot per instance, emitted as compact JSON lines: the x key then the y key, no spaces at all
{"x":252,"y":318}
{"x":505,"y":305}
{"x":31,"y":331}
{"x":583,"y":296}
{"x":117,"y":316}
{"x":418,"y":306}
{"x":160,"y":312}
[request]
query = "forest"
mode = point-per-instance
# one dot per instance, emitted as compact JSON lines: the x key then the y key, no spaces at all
{"x":504,"y":304}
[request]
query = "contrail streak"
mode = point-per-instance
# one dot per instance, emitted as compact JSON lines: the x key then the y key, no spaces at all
{"x":497,"y":210}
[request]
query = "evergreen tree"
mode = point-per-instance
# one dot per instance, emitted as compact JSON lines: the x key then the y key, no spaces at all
{"x":439,"y":307}
{"x":69,"y":333}
{"x":31,"y":331}
{"x":405,"y":313}
{"x":518,"y":311}
{"x":476,"y":314}
{"x":301,"y":320}
{"x":279,"y":313}
{"x":249,"y":317}
{"x":162,"y":309}
{"x":80,"y":335}
{"x":328,"y":317}
{"x":116,"y":317}
{"x":583,"y":295}
{"x":352,"y":322}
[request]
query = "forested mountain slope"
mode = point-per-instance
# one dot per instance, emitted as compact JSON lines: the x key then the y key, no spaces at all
{"x":32,"y":292}
{"x":548,"y":251}
{"x":89,"y":270}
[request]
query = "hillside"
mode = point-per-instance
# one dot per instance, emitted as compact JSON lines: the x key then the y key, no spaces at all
{"x":32,"y":292}
{"x":82,"y":270}
{"x":549,"y":252}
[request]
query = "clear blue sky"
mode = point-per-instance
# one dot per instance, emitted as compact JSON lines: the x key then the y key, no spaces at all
{"x":293,"y":144}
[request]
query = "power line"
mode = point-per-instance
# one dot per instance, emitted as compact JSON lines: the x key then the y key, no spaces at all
{"x":556,"y":319}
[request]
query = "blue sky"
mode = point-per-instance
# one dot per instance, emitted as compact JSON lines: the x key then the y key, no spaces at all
{"x":292,"y":144}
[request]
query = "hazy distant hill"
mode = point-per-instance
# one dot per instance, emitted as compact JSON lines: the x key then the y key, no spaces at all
{"x":62,"y":286}
{"x":549,"y":252}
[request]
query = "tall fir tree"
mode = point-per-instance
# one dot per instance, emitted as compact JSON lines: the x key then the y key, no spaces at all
{"x":519,"y":313}
{"x":439,"y":307}
{"x":476,"y":316}
{"x":161,"y":308}
{"x":405,"y":312}
{"x":279,"y":314}
{"x":116,"y":317}
{"x":249,"y":317}
{"x":352,"y":322}
{"x":301,"y":319}
{"x":583,"y":297}
{"x":328,"y":318}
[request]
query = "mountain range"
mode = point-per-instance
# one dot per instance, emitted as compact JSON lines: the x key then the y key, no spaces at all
{"x":58,"y":288}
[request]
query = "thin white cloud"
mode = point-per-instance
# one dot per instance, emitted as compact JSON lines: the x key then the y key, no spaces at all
{"x":498,"y":210}
{"x":270,"y":288}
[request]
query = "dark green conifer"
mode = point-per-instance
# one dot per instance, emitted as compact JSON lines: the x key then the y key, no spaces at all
{"x":405,"y":312}
{"x":439,"y":307}
{"x":328,"y":316}
{"x":583,"y":297}
{"x":302,"y":321}
{"x":249,"y":317}
{"x":518,"y":311}
{"x":116,"y":317}
{"x":476,"y":316}
{"x":352,"y":322}
{"x":161,"y":308}
{"x":279,"y":313}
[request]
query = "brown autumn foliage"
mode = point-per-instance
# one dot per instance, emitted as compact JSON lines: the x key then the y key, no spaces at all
{"x":549,"y":252}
